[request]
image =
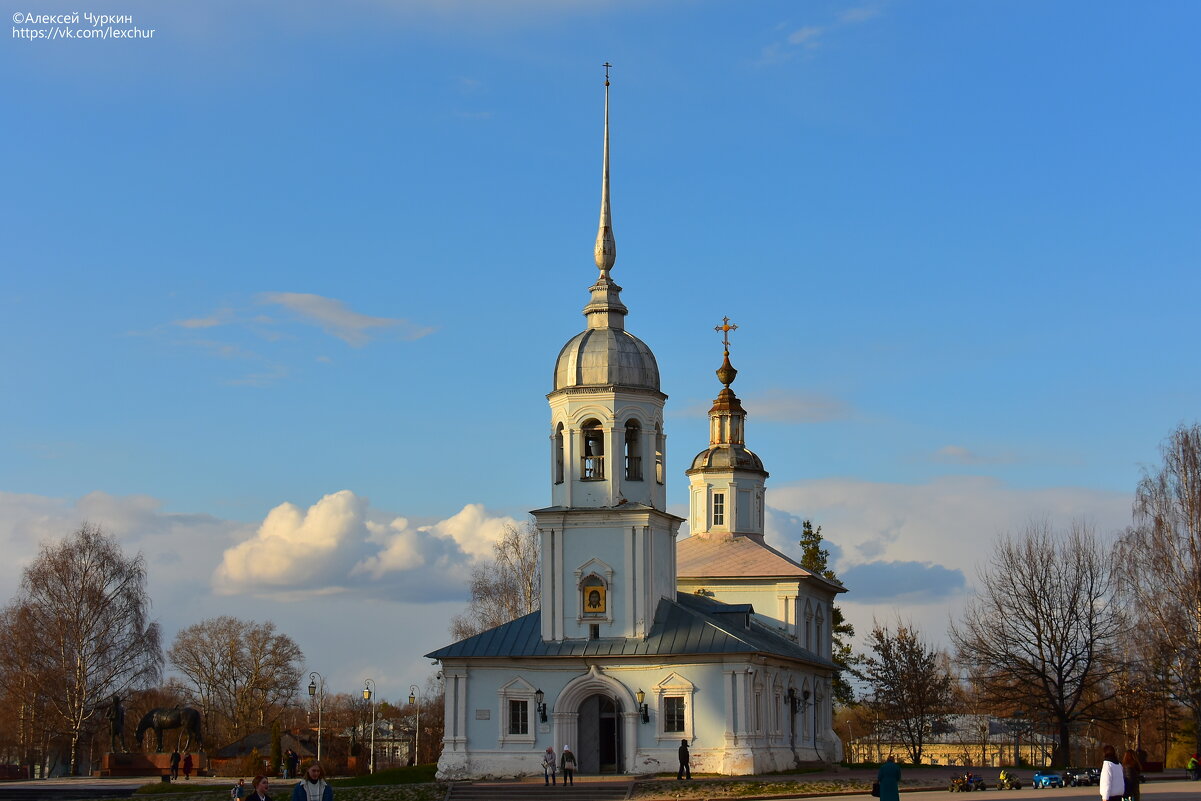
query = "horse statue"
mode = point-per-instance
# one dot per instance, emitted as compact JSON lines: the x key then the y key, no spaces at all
{"x":162,"y":718}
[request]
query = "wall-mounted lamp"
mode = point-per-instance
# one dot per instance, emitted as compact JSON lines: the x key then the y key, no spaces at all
{"x":798,"y":704}
{"x":643,"y":712}
{"x":538,"y":698}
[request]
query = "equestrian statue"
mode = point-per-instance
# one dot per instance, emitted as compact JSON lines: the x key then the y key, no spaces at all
{"x":162,"y":718}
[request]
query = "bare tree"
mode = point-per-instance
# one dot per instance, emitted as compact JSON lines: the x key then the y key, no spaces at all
{"x":81,"y":633}
{"x":241,"y":672}
{"x":1041,"y":635}
{"x":910,"y":684}
{"x":505,"y":588}
{"x":1161,"y":558}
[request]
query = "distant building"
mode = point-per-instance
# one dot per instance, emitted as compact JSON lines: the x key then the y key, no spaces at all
{"x":965,"y":740}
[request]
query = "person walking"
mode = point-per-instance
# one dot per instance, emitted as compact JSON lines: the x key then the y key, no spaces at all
{"x":550,"y":765}
{"x":1132,"y":773}
{"x":259,"y":790}
{"x":293,"y":762}
{"x":1112,"y":784}
{"x":567,"y":763}
{"x":1193,"y":768}
{"x":175,"y":765}
{"x":313,"y":787}
{"x":187,"y":767}
{"x":685,"y":771}
{"x":889,"y":778}
{"x":235,"y":794}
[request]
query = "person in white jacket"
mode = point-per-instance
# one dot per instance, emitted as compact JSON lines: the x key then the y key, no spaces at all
{"x":1112,"y":784}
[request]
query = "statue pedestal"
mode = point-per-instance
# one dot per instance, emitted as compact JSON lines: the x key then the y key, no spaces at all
{"x":147,"y":765}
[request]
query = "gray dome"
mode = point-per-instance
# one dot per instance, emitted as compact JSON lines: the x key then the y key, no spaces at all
{"x":606,"y":356}
{"x":737,"y":457}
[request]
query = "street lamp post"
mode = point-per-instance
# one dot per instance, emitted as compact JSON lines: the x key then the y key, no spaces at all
{"x":369,"y":695}
{"x":317,"y":691}
{"x":417,"y":733}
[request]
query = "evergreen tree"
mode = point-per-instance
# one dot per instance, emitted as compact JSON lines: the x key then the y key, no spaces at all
{"x":815,"y":559}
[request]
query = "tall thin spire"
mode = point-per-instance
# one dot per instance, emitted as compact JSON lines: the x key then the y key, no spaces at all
{"x":606,"y":248}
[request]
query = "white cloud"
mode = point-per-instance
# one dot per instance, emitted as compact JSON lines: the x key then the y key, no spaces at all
{"x":809,"y":36}
{"x":786,"y":406}
{"x":922,"y":542}
{"x":338,"y":320}
{"x":958,"y":454}
{"x":338,"y":545}
{"x":855,"y":15}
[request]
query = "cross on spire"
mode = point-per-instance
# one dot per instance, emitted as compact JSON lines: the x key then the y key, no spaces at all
{"x":725,"y":328}
{"x":606,"y":65}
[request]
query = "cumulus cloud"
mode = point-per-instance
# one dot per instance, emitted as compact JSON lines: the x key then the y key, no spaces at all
{"x":338,"y":542}
{"x":338,"y":320}
{"x":178,"y":548}
{"x":919,"y":544}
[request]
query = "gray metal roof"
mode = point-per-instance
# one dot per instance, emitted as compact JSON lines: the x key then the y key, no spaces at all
{"x":690,"y":625}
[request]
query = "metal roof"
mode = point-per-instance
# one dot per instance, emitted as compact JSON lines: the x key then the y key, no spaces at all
{"x":689,"y":625}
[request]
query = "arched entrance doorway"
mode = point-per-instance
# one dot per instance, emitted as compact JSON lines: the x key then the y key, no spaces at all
{"x":598,"y":732}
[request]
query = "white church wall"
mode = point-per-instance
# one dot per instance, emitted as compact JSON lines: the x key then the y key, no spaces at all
{"x":737,"y":716}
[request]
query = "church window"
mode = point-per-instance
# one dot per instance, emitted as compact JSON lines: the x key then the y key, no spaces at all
{"x":719,"y":508}
{"x":633,"y":451}
{"x":559,"y":454}
{"x":519,"y":718}
{"x":673,"y":714}
{"x":593,"y":459}
{"x":673,"y":700}
{"x":514,"y":701}
{"x":819,"y":645}
{"x":594,"y":631}
{"x":658,"y":454}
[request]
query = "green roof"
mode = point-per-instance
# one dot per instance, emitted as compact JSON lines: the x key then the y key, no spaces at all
{"x":690,"y":625}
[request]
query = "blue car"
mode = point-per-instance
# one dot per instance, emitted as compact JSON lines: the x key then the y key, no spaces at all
{"x":1047,"y":778}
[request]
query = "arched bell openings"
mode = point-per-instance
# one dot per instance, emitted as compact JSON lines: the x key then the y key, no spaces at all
{"x":592,"y":440}
{"x":633,"y":448}
{"x":659,"y":453}
{"x":560,"y":455}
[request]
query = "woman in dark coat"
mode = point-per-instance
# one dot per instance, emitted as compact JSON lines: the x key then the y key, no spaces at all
{"x":889,"y":778}
{"x":1132,"y":771}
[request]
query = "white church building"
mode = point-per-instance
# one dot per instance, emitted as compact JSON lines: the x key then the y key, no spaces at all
{"x":641,"y":642}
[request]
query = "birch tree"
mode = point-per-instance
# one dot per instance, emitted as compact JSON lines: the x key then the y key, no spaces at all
{"x":84,"y":636}
{"x":1161,"y":557}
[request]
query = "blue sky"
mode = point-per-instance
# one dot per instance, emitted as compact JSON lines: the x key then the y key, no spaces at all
{"x":281,"y":288}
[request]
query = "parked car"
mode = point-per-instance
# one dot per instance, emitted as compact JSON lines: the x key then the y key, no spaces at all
{"x":1095,"y":775}
{"x":1078,"y":777}
{"x":1046,"y":778}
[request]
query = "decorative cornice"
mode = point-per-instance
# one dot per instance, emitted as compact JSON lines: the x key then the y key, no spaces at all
{"x":607,"y":388}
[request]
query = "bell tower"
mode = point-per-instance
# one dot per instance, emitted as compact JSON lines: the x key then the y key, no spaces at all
{"x":726,"y":480}
{"x":608,"y":545}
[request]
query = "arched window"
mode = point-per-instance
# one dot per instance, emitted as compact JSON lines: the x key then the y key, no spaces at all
{"x":659,"y":453}
{"x":559,"y":454}
{"x":592,"y":466}
{"x":633,"y":451}
{"x":819,"y":643}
